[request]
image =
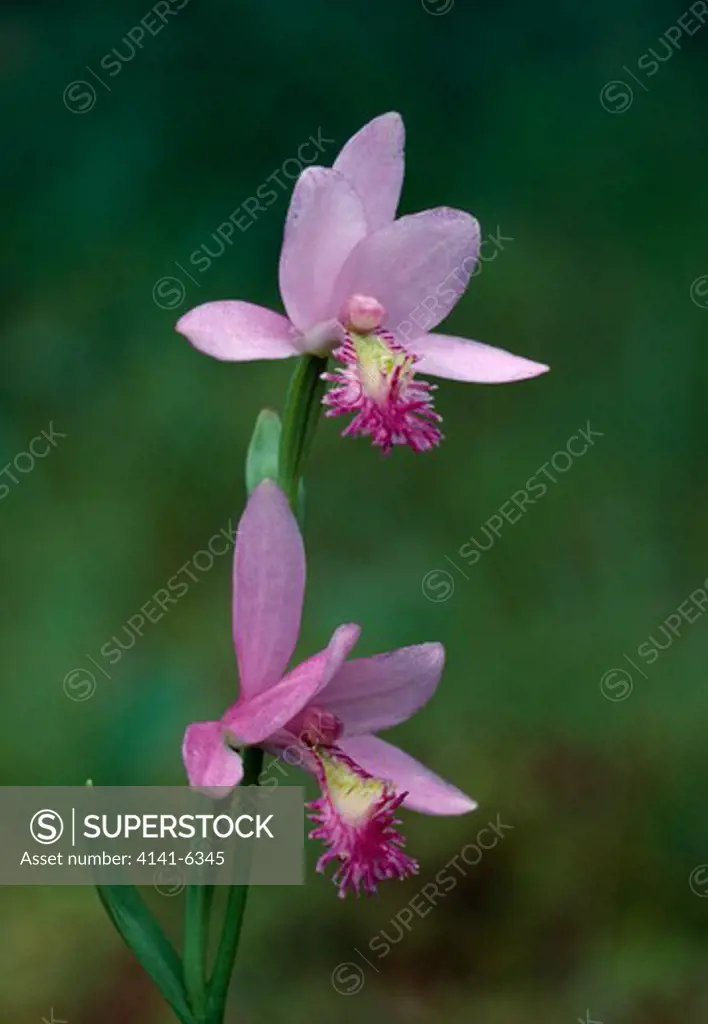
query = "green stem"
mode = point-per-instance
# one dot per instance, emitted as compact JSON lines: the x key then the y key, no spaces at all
{"x":302,"y":411}
{"x":233,"y":917}
{"x":196,"y":940}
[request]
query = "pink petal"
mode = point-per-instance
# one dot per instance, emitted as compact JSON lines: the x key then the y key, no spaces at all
{"x":369,"y":694}
{"x":459,"y":359}
{"x":372,"y":161}
{"x":269,"y":584}
{"x":325,"y":221}
{"x":338,"y":650}
{"x":238,"y":331}
{"x":417,"y":267}
{"x":427,"y":792}
{"x":211,"y":767}
{"x":258,"y":718}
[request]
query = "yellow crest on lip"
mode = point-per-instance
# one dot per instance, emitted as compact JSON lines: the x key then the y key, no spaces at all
{"x":352,"y":795}
{"x":377,"y":363}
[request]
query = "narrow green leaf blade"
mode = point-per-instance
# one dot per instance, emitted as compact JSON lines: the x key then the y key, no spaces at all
{"x":144,"y":936}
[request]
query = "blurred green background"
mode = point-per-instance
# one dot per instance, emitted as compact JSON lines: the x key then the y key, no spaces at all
{"x":592,"y":902}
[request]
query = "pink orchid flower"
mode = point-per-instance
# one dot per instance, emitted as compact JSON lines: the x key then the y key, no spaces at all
{"x":327,"y":707}
{"x":367,"y":289}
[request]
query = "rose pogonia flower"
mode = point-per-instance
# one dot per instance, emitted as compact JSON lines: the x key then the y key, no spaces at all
{"x":327,"y":708}
{"x":367,"y":289}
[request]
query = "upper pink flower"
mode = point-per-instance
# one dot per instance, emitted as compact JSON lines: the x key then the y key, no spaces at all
{"x":326,"y":707}
{"x":367,"y":289}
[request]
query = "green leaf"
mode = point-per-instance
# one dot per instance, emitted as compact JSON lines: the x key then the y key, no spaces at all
{"x":262,"y":458}
{"x":144,"y":936}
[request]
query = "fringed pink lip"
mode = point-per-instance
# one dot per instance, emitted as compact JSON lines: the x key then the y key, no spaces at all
{"x":356,"y":818}
{"x":377,"y":383}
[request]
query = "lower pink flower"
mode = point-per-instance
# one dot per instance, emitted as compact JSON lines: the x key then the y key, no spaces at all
{"x":327,"y":708}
